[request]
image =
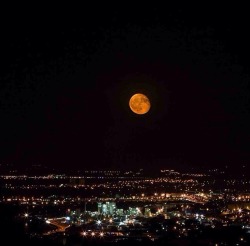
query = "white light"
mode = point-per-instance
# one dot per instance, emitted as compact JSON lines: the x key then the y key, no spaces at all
{"x":98,"y":222}
{"x":26,"y":215}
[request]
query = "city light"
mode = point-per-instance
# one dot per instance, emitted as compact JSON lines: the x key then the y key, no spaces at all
{"x":186,"y":198}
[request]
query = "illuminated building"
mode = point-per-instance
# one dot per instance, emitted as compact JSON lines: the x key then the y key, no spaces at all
{"x":108,"y":208}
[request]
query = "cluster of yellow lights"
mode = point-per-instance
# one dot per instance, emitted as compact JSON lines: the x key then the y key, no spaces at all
{"x":93,"y":234}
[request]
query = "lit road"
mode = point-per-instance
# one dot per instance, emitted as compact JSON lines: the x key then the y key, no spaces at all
{"x":184,"y":197}
{"x":59,"y":223}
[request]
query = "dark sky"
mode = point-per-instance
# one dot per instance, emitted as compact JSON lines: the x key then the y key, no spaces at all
{"x":65,"y":84}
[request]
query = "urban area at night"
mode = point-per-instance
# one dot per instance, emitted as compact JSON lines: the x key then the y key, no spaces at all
{"x":115,"y":206}
{"x":125,"y":125}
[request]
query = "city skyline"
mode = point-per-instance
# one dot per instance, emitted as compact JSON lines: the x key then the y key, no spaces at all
{"x":66,"y":89}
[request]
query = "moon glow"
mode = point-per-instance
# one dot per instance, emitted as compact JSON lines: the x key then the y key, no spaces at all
{"x":139,"y":103}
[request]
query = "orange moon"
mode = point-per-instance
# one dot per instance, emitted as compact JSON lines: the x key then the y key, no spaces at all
{"x":139,"y":103}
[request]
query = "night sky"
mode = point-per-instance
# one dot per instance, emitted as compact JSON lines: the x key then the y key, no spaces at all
{"x":65,"y":84}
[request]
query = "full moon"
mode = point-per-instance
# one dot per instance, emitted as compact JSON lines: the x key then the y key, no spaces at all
{"x":139,"y":103}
